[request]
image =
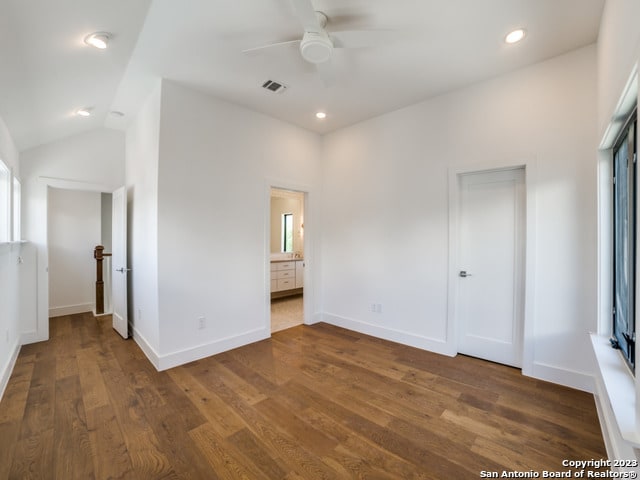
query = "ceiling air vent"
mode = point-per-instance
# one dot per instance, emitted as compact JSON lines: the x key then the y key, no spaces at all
{"x":274,"y":86}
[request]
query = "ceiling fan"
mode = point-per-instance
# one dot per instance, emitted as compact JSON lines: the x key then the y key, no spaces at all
{"x":317,"y":44}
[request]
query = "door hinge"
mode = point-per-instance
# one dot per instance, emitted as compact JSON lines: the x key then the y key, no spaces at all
{"x":614,"y":180}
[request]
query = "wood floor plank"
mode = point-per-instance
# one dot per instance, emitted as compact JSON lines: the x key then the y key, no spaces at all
{"x":70,"y":432}
{"x":383,"y":437}
{"x":275,"y":438}
{"x":9,"y":431}
{"x":17,"y":392}
{"x":109,"y":451}
{"x":39,"y":409}
{"x":302,"y":432}
{"x":94,"y":391}
{"x":142,"y":444}
{"x":223,"y":460}
{"x":253,"y":450}
{"x":220,"y":416}
{"x":33,"y":456}
{"x":310,"y":402}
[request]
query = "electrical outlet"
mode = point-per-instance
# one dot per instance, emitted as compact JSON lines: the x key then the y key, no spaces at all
{"x":202,"y":323}
{"x":376,"y":308}
{"x":139,"y":314}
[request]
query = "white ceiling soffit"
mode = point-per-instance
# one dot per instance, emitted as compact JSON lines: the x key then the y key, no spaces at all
{"x":418,"y":49}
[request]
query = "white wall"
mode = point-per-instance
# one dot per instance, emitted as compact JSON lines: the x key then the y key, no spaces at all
{"x":216,"y":164}
{"x":385,"y":236}
{"x":618,"y":54}
{"x":8,"y":150}
{"x":91,"y":161}
{"x":74,"y":231}
{"x":143,"y":140}
{"x":17,"y":280}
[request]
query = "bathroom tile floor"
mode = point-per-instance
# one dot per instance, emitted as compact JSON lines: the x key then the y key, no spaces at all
{"x":286,"y":312}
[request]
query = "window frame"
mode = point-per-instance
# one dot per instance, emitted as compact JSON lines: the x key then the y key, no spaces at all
{"x":287,"y":219}
{"x":625,"y":341}
{"x":16,"y":209}
{"x":5,"y":202}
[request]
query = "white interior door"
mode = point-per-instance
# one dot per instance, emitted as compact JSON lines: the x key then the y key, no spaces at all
{"x":491,"y":273}
{"x":119,"y":271}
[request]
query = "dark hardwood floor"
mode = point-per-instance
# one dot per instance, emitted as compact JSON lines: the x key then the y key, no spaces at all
{"x":311,"y":402}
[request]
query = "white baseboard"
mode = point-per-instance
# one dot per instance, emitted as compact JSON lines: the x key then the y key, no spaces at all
{"x":146,"y":348}
{"x":175,"y":359}
{"x":316,"y":318}
{"x":562,"y":376}
{"x":31,"y":337}
{"x":71,"y":309}
{"x":7,"y":369}
{"x":406,"y":338}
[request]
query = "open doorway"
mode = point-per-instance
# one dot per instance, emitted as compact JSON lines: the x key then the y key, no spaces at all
{"x":287,"y":258}
{"x":78,"y":220}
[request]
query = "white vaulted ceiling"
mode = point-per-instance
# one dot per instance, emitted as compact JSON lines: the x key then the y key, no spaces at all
{"x":419,"y":49}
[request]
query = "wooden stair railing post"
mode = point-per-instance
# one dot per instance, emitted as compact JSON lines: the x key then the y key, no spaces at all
{"x":98,"y":254}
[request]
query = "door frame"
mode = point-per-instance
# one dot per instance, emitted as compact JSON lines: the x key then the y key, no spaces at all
{"x":455,"y":175}
{"x":39,"y":235}
{"x":309,"y":221}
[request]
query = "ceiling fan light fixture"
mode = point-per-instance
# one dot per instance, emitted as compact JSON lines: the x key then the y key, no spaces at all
{"x":316,"y":47}
{"x":515,"y":36}
{"x":99,"y":40}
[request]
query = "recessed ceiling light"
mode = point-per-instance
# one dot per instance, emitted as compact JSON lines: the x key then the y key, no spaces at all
{"x":321,"y":115}
{"x":515,"y":36}
{"x":84,"y":112}
{"x":98,"y":40}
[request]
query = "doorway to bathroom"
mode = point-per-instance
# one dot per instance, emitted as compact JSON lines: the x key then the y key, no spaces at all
{"x":287,"y":260}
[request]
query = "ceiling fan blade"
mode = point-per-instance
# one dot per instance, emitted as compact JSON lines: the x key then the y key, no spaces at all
{"x":263,"y":47}
{"x":307,"y":15}
{"x":362,"y":38}
{"x":326,"y":73}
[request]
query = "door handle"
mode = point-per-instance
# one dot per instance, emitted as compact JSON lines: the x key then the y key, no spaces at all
{"x":464,"y":274}
{"x":122,"y":269}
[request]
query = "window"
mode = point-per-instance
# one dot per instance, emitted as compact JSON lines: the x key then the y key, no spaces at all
{"x":5,"y":190}
{"x":287,"y":232}
{"x":16,"y":210}
{"x":624,"y":241}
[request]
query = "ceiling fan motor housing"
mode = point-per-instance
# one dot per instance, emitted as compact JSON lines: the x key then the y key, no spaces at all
{"x":316,"y":47}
